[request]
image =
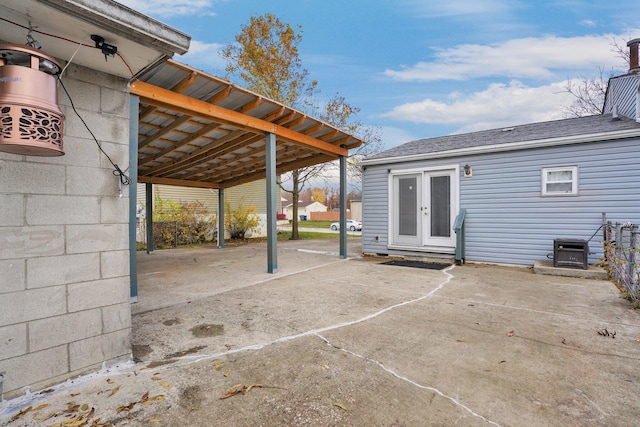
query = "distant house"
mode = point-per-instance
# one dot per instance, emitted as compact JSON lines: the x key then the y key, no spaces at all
{"x":518,"y":188}
{"x":304,"y":208}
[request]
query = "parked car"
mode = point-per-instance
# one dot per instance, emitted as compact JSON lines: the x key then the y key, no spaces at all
{"x":352,"y":225}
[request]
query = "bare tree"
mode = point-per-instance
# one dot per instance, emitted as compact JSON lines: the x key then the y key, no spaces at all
{"x":590,"y":92}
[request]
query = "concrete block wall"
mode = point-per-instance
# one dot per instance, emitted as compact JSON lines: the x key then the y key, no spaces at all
{"x":64,"y":260}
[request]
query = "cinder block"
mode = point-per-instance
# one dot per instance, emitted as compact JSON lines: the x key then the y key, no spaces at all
{"x":97,"y":238}
{"x":114,"y":264}
{"x":114,"y":102}
{"x":99,"y":293}
{"x":24,"y":242}
{"x":61,"y":270}
{"x":54,"y":210}
{"x":85,"y":95}
{"x":105,"y":127}
{"x":97,"y":78}
{"x":33,"y":304}
{"x":59,"y":330}
{"x":13,"y":341}
{"x":13,"y":275}
{"x":77,"y":152}
{"x":32,"y":178}
{"x":11,"y":210}
{"x":116,"y":317}
{"x":91,"y":181}
{"x":115,"y":210}
{"x":98,"y":349}
{"x":33,"y":368}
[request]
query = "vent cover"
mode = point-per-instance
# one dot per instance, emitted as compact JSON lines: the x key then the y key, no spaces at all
{"x":31,"y":122}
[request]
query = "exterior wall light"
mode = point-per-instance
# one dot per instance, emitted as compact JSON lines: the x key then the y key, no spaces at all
{"x":467,"y":171}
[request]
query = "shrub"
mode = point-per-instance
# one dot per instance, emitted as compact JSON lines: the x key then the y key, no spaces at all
{"x":178,"y":224}
{"x":239,"y":221}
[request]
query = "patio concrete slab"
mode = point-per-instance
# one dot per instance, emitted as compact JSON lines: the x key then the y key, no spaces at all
{"x":327,"y":341}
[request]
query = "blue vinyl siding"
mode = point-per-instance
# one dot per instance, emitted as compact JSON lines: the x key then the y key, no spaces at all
{"x":508,"y":220}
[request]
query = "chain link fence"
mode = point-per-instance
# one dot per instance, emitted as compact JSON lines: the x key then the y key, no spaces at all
{"x":622,"y":257}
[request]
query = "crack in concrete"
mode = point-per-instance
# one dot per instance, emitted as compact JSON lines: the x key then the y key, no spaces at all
{"x":453,"y":400}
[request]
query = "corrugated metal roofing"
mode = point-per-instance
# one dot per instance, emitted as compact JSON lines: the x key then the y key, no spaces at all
{"x":179,"y":146}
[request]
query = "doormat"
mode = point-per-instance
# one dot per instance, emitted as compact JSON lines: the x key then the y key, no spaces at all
{"x":417,"y":264}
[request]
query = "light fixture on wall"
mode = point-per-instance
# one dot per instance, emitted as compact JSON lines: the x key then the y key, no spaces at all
{"x":31,"y":123}
{"x":467,"y":170}
{"x":106,"y":48}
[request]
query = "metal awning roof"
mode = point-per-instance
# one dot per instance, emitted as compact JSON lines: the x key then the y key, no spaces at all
{"x":198,"y":130}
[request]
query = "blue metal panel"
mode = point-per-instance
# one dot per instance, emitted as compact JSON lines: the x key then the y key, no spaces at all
{"x":343,"y":207}
{"x":221,"y":214}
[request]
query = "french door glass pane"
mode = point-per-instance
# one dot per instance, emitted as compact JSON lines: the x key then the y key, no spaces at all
{"x":440,"y":206}
{"x":408,"y":201}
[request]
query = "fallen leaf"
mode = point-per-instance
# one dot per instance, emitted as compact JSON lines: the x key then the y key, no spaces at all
{"x":461,"y":341}
{"x":109,"y":381}
{"x":114,"y":391}
{"x":154,"y":420}
{"x":164,"y":384}
{"x":227,"y":372}
{"x":510,"y":333}
{"x":84,"y":407}
{"x":239,"y":388}
{"x":229,"y":346}
{"x":21,"y":413}
{"x":44,"y":405}
{"x":145,"y":396}
{"x":325,"y":367}
{"x":502,"y":361}
{"x":340,"y":405}
{"x":218,"y":365}
{"x":563,"y":341}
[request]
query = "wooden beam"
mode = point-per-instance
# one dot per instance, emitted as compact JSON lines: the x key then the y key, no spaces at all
{"x":164,"y":98}
{"x":179,"y":182}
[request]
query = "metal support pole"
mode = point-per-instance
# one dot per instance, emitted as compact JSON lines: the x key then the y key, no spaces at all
{"x":343,"y":207}
{"x":221,"y":218}
{"x":272,"y":236}
{"x":134,"y":103}
{"x":149,"y":216}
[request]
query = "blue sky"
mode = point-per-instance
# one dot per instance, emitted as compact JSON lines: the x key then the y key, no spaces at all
{"x":419,"y":69}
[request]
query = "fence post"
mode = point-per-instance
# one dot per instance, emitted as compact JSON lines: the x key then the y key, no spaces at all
{"x":633,"y":251}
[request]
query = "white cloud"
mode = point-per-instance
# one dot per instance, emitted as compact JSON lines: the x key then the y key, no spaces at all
{"x":167,"y":8}
{"x":539,"y":58}
{"x":205,"y":56}
{"x":449,"y":8}
{"x":497,"y":106}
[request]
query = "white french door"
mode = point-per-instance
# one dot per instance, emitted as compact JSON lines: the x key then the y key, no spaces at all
{"x":424,"y":205}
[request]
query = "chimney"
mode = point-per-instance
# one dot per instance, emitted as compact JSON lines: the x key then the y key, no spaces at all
{"x":633,"y":45}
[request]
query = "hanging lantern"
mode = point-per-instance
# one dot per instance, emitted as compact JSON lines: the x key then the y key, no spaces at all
{"x":31,"y":122}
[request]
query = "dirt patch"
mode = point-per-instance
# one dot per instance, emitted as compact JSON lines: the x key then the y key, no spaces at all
{"x":207,"y":330}
{"x":185,"y":352}
{"x":191,"y":398}
{"x":140,"y":351}
{"x":160,"y":363}
{"x":171,"y":322}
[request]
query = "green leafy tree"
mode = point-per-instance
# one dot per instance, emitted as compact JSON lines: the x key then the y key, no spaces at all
{"x":241,"y":220}
{"x":265,"y":57}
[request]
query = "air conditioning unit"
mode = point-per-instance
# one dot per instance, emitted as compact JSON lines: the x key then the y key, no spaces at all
{"x":31,"y":122}
{"x":571,"y":253}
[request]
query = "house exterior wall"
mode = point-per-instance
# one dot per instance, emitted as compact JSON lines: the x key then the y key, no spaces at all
{"x":508,"y":220}
{"x":64,"y":259}
{"x":254,"y":193}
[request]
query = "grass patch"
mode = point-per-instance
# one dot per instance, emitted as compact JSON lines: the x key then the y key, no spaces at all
{"x":315,"y":224}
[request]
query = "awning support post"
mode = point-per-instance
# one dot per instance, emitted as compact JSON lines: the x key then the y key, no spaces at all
{"x":272,"y":236}
{"x":343,"y":207}
{"x":134,"y":103}
{"x":221,"y":218}
{"x":149,"y":215}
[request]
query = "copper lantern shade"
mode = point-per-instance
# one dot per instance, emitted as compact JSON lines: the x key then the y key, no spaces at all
{"x":31,"y":122}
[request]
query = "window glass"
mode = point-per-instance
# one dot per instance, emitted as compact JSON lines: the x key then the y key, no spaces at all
{"x":560,"y":181}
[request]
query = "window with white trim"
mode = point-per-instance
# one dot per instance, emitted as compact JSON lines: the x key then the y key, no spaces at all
{"x":560,"y":181}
